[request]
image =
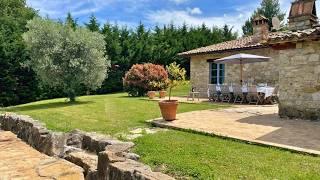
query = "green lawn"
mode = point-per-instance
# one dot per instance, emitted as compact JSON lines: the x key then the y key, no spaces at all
{"x":182,"y":154}
{"x":109,"y":114}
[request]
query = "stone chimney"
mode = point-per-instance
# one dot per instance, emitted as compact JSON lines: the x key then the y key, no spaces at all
{"x":303,"y":15}
{"x":260,"y":28}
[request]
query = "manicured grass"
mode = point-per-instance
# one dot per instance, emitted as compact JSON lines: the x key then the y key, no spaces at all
{"x":181,"y":90}
{"x":182,"y":154}
{"x":109,"y":114}
{"x":201,"y":157}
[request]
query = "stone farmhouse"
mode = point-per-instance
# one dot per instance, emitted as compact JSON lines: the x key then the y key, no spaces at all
{"x":294,"y":67}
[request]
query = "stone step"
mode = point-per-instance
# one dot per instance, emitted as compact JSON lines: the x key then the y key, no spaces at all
{"x":88,"y":161}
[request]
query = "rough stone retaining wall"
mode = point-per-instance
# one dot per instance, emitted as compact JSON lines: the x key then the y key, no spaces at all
{"x":102,"y":157}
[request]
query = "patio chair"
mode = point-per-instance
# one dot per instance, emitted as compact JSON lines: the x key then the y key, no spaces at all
{"x":253,"y":96}
{"x":194,"y":93}
{"x":213,"y":94}
{"x":275,"y":95}
{"x":225,"y":93}
{"x":238,"y":94}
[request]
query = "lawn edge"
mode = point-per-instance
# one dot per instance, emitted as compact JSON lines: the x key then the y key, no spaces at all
{"x":160,"y":123}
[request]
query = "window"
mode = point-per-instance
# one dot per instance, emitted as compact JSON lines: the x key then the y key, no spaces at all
{"x":217,"y":73}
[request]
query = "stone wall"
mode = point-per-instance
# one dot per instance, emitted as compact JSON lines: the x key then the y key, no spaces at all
{"x":265,"y":72}
{"x":101,"y":157}
{"x":300,"y":81}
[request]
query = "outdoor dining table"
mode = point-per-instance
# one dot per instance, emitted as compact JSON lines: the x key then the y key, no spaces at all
{"x":266,"y":90}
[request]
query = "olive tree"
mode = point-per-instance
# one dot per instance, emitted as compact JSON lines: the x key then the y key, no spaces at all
{"x":66,"y":57}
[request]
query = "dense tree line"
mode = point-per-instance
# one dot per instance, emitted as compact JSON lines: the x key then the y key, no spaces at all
{"x":124,"y":47}
{"x":160,"y":45}
{"x":17,"y":83}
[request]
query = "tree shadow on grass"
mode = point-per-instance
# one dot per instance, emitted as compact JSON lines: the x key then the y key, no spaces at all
{"x":42,"y":106}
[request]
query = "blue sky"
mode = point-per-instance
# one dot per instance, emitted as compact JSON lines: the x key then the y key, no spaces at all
{"x":153,"y":12}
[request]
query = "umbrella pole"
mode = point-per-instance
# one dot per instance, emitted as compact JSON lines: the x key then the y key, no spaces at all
{"x":241,"y":72}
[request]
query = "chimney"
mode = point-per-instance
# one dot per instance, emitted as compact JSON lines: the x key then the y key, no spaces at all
{"x":303,"y":15}
{"x":260,"y":28}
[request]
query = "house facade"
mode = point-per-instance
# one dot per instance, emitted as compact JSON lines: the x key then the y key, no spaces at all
{"x":294,"y":64}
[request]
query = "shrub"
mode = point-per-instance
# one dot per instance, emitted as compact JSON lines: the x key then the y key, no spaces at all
{"x":142,"y":78}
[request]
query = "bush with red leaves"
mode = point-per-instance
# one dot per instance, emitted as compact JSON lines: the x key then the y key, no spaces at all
{"x":142,"y":78}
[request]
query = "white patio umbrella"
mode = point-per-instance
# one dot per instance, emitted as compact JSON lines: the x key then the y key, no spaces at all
{"x":242,"y":59}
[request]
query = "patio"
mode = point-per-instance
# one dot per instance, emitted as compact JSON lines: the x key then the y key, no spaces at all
{"x":253,"y":124}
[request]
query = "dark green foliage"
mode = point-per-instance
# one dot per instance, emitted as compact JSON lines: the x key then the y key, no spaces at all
{"x":93,"y":24}
{"x":125,"y":47}
{"x":269,"y":9}
{"x":159,"y":46}
{"x":17,"y":84}
{"x":71,"y":21}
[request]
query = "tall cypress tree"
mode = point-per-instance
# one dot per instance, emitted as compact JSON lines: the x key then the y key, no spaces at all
{"x":71,"y":21}
{"x":93,"y":24}
{"x":17,"y":84}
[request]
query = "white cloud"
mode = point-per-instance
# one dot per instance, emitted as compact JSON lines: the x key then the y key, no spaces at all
{"x":179,"y":1}
{"x":195,"y":10}
{"x":179,"y":17}
{"x":59,"y":8}
{"x":235,"y":18}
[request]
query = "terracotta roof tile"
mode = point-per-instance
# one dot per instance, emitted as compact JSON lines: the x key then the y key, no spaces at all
{"x":249,"y":42}
{"x":289,"y":36}
{"x":245,"y":42}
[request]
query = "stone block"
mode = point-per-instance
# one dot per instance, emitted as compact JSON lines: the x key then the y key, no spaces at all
{"x":75,"y":138}
{"x":88,"y":161}
{"x":104,"y":159}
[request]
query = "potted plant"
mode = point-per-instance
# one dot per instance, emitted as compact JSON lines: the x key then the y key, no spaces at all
{"x":176,"y":76}
{"x":162,"y":94}
{"x":151,"y":94}
{"x":162,"y":86}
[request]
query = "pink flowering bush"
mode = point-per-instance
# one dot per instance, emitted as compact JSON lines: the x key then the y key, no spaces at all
{"x":142,"y":78}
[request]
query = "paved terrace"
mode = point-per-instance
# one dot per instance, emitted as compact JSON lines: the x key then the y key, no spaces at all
{"x":19,"y":161}
{"x":255,"y":124}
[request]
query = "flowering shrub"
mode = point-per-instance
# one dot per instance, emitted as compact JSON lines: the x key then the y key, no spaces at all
{"x":142,"y":78}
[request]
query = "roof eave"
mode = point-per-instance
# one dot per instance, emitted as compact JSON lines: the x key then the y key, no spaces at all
{"x":223,"y":51}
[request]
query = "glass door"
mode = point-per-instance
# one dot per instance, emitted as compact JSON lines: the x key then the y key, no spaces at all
{"x":217,"y":73}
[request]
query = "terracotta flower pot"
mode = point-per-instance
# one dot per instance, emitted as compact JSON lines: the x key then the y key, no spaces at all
{"x":162,"y":94}
{"x":151,"y":94}
{"x":169,"y":109}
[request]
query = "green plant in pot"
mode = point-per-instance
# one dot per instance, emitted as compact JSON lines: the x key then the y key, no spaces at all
{"x":161,"y":86}
{"x":152,"y":93}
{"x":176,"y":76}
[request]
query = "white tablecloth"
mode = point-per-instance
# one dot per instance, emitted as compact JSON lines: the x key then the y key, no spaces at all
{"x":268,"y":91}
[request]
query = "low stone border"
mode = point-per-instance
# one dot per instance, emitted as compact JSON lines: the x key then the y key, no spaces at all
{"x":101,"y":157}
{"x":160,"y":123}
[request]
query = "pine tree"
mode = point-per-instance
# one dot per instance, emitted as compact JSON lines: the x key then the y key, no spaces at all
{"x":71,"y":21}
{"x":93,"y":24}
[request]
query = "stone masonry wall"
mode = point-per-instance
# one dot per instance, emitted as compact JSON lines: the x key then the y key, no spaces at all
{"x":101,"y":157}
{"x":300,"y":81}
{"x":265,"y":72}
